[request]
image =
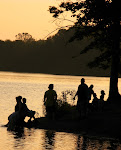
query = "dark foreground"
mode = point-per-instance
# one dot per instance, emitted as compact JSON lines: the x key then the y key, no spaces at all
{"x":106,"y":123}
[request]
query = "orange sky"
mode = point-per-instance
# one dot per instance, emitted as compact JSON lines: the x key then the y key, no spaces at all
{"x":31,"y":16}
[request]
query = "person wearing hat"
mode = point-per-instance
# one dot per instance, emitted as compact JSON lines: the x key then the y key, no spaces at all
{"x":50,"y":98}
{"x":82,"y":101}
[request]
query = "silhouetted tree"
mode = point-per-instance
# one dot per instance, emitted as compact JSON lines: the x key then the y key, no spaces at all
{"x":100,"y":20}
{"x":24,"y":37}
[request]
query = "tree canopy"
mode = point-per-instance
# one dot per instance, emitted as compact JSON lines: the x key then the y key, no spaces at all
{"x":24,"y":37}
{"x":94,"y":18}
{"x":99,"y":19}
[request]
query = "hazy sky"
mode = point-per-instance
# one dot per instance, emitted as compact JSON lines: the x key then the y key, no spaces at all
{"x":31,"y":16}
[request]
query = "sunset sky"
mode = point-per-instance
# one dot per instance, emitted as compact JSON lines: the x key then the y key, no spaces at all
{"x":31,"y":16}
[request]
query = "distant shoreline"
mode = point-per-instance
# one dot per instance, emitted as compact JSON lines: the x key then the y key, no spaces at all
{"x":51,"y":73}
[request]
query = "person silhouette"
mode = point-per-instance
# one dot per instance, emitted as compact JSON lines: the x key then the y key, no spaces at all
{"x":50,"y":98}
{"x":82,"y":101}
{"x":18,"y":106}
{"x":90,"y":91}
{"x":102,"y":95}
{"x":95,"y":102}
{"x":16,"y":118}
{"x":101,"y":100}
{"x":27,"y":112}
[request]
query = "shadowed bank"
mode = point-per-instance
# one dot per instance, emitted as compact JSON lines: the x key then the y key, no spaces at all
{"x":105,"y":124}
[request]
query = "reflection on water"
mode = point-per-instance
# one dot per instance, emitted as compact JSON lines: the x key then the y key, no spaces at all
{"x":86,"y":143}
{"x":33,"y":86}
{"x":48,"y":139}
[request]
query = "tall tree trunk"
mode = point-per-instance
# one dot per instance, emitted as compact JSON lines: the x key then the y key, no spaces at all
{"x":114,"y":95}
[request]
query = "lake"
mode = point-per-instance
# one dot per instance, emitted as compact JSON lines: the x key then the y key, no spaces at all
{"x":32,"y":87}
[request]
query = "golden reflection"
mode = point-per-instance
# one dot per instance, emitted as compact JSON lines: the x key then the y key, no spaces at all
{"x":96,"y":143}
{"x":32,"y":87}
{"x":28,"y":139}
{"x":66,"y":82}
{"x":49,"y":139}
{"x":65,"y":141}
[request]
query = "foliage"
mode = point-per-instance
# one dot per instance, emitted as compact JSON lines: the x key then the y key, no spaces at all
{"x":94,"y":19}
{"x":66,"y":95}
{"x":62,"y":106}
{"x":26,"y":37}
{"x":53,"y":56}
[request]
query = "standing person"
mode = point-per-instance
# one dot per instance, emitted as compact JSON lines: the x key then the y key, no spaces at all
{"x":90,"y":92}
{"x":101,"y":100}
{"x":50,"y":98}
{"x":95,"y":102}
{"x":82,"y":102}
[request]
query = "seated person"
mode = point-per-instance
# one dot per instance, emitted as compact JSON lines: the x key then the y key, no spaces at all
{"x":16,"y":118}
{"x":18,"y":106}
{"x":26,"y":111}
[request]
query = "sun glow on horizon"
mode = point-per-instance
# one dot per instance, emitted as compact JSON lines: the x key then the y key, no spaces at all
{"x":31,"y":16}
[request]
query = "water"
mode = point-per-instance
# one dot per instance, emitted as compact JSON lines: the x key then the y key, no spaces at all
{"x":32,"y":87}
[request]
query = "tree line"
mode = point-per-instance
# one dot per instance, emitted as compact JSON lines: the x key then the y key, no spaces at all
{"x":55,"y":55}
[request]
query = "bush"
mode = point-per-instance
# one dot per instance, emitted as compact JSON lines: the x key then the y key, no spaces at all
{"x":63,"y":108}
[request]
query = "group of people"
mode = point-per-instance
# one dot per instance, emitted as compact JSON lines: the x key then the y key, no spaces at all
{"x":98,"y":104}
{"x":84,"y":94}
{"x":21,"y":111}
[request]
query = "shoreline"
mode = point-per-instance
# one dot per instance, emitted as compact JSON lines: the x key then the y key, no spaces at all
{"x":100,"y":124}
{"x":61,"y":74}
{"x":106,"y":124}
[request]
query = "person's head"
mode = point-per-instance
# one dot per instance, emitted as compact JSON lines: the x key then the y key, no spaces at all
{"x":82,"y":81}
{"x":102,"y":92}
{"x":91,"y":86}
{"x":24,"y":100}
{"x":18,"y":99}
{"x":94,"y":95}
{"x":50,"y":86}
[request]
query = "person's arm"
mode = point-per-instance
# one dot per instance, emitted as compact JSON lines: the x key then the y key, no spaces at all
{"x":26,"y":108}
{"x":56,"y":96}
{"x":45,"y":97}
{"x":75,"y":95}
{"x":16,"y":108}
